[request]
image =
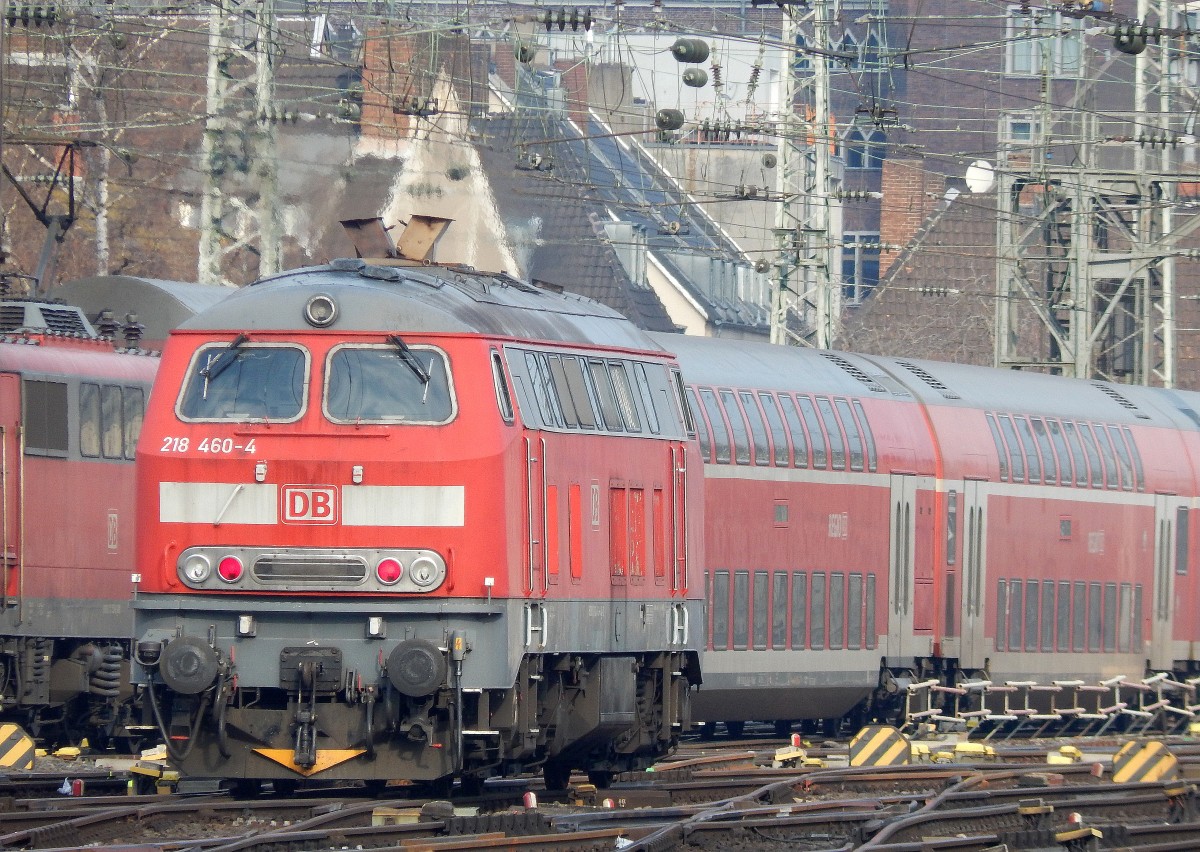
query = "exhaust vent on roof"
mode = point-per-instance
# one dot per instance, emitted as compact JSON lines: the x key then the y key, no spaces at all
{"x":855,"y":371}
{"x":37,"y":316}
{"x":927,"y":377}
{"x":1119,"y":399}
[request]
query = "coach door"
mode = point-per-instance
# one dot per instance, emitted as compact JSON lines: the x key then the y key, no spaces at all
{"x":902,"y":552}
{"x":1166,"y":509}
{"x":973,"y":650}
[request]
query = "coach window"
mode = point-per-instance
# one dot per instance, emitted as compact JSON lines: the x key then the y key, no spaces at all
{"x":775,"y":421}
{"x":606,"y":395}
{"x":720,"y":615}
{"x":1111,"y":473}
{"x":816,"y":613}
{"x":1078,"y":456}
{"x":1032,"y":613}
{"x":1064,"y":616}
{"x":112,"y":431}
{"x":45,"y":418}
{"x":853,"y":438}
{"x":699,"y":426}
{"x":1124,"y":618}
{"x":1137,"y":617}
{"x":503,"y":400}
{"x":643,"y":384}
{"x":1065,"y":474}
{"x":1079,"y":616}
{"x":741,"y":609}
{"x":89,"y":420}
{"x":1181,"y":540}
{"x":737,"y":423}
{"x":1047,"y":615}
{"x":796,"y":429}
{"x":1049,"y":468}
{"x":799,"y":610}
{"x":758,"y":429}
{"x":837,"y":610}
{"x":1138,"y":470}
{"x":779,"y":604}
{"x":625,"y":400}
{"x":716,"y":422}
{"x":837,"y":444}
{"x":761,"y":584}
{"x":1001,"y":450}
{"x":870,"y":611}
{"x":1126,"y":464}
{"x":1001,"y":614}
{"x":1095,"y":617}
{"x":854,"y":602}
{"x":1032,"y":463}
{"x":1093,"y":454}
{"x":390,"y":383}
{"x":820,"y":449}
{"x":1110,"y":617}
{"x":253,"y":382}
{"x":1015,"y":454}
{"x":1016,"y":611}
{"x":868,"y":438}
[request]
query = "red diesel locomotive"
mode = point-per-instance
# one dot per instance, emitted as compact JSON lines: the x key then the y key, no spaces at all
{"x":416,"y":522}
{"x":71,"y":404}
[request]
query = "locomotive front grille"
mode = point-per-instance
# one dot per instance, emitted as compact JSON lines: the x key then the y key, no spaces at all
{"x":277,"y":568}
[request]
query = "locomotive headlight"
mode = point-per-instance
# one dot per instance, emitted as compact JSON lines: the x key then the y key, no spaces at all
{"x":229,"y":569}
{"x":423,"y":571}
{"x":320,"y":310}
{"x":196,"y":568}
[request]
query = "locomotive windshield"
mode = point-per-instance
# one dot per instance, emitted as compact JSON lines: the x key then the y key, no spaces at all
{"x":388,"y":383}
{"x":246,"y":382}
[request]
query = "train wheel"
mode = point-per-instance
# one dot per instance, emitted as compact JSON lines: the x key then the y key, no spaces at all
{"x":734,"y":729}
{"x":556,"y":775}
{"x":601,"y":778}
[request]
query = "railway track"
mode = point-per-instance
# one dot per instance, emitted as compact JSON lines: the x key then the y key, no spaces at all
{"x":729,"y":796}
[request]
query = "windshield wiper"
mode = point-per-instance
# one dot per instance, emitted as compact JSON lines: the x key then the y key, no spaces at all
{"x":218,"y":365}
{"x":406,"y":355}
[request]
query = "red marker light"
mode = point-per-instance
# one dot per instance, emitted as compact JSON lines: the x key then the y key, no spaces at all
{"x":389,"y":570}
{"x":230,"y":569}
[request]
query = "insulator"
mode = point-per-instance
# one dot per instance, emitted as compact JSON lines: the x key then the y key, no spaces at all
{"x":668,"y":119}
{"x":695,"y":77}
{"x":548,"y":20}
{"x":716,"y":75}
{"x":587,"y":20}
{"x":1130,"y":40}
{"x":575,"y":20}
{"x":762,"y":266}
{"x":690,"y":50}
{"x":524,"y":52}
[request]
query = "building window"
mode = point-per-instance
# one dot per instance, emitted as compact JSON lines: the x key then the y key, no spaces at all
{"x":1037,"y":37}
{"x":864,"y":150}
{"x":860,"y":265}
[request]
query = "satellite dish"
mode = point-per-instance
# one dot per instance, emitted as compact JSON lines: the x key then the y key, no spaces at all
{"x":980,"y":176}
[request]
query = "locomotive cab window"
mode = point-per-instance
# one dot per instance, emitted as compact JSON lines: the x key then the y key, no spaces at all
{"x":45,"y":418}
{"x":241,"y":381}
{"x":503,"y":400}
{"x":388,"y":383}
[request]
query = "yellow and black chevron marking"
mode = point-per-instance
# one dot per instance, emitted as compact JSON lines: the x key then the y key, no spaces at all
{"x":16,"y":748}
{"x":1144,"y":761}
{"x":879,"y":745}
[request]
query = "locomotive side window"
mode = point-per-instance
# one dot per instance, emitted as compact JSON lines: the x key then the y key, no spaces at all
{"x":1042,"y":439}
{"x":853,"y":438}
{"x":503,"y":400}
{"x":543,"y":389}
{"x":737,"y":423}
{"x":606,"y":395}
{"x":775,"y":423}
{"x":1001,"y":449}
{"x":112,"y":431}
{"x":698,"y":425}
{"x":868,"y":438}
{"x":45,"y":418}
{"x":388,"y":384}
{"x":796,"y":428}
{"x":716,"y":422}
{"x":643,"y":384}
{"x":568,"y":380}
{"x":1137,"y":459}
{"x":134,"y":401}
{"x":245,"y":383}
{"x":1033,"y":465}
{"x":758,"y":429}
{"x":1078,"y":457}
{"x":1123,"y":459}
{"x":799,"y":610}
{"x":620,"y":380}
{"x":820,"y":448}
{"x":837,"y":445}
{"x":689,"y":411}
{"x":1015,"y":454}
{"x":89,"y":420}
{"x":1065,"y":474}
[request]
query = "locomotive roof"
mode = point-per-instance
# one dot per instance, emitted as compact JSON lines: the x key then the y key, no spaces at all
{"x":454,"y":300}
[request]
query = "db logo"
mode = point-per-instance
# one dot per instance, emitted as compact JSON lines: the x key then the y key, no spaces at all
{"x":307,"y":504}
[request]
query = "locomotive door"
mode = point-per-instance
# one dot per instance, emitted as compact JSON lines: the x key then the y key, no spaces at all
{"x":973,"y":649}
{"x":10,"y":484}
{"x":1166,"y":508}
{"x":902,"y":553}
